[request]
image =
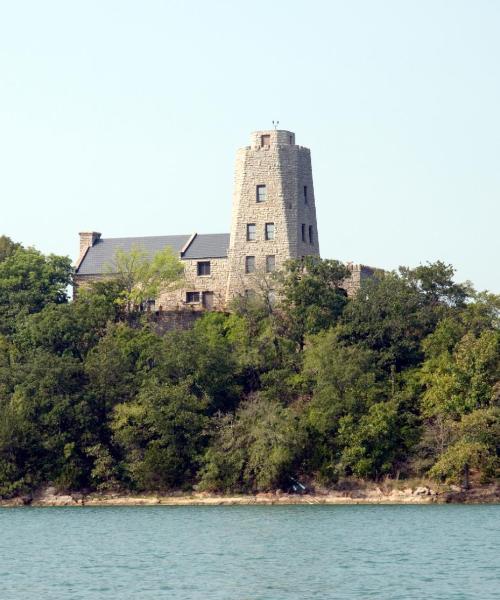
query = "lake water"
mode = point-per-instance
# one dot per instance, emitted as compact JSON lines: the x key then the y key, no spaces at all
{"x":250,"y":553}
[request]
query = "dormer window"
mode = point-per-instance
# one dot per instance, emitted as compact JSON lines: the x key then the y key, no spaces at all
{"x":261,"y":193}
{"x":265,"y":140}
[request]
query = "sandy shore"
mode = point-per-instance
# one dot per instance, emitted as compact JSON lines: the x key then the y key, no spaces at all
{"x":374,"y":495}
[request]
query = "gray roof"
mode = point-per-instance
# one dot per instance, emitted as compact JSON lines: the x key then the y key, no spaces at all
{"x":99,"y":258}
{"x":208,"y":245}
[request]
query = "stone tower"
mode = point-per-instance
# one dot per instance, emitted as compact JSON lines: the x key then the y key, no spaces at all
{"x":274,"y":212}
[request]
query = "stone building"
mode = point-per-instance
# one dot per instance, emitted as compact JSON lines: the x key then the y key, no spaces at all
{"x":273,"y":220}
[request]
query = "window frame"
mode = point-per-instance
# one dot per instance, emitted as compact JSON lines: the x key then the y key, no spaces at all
{"x":200,"y":265}
{"x":195,"y":295}
{"x":254,"y":230}
{"x":273,"y":261}
{"x":249,"y":260}
{"x":260,"y":199}
{"x":267,"y":230}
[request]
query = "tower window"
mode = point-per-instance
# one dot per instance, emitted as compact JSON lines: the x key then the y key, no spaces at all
{"x":269,"y":231}
{"x":203,"y":268}
{"x":303,"y":232}
{"x":249,"y":264}
{"x":306,"y":199}
{"x":270,"y":263}
{"x":192,"y":297}
{"x":261,"y":193}
{"x":310,"y":234}
{"x":251,"y":231}
{"x":265,"y":140}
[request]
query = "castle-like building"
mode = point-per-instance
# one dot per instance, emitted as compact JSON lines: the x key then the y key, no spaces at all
{"x":273,"y":220}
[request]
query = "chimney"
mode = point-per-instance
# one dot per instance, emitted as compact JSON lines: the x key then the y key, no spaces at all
{"x":87,"y":240}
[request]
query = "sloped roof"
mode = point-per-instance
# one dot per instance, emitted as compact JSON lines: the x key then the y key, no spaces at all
{"x":99,"y":258}
{"x":208,"y":245}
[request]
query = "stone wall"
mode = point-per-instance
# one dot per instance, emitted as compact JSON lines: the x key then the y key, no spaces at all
{"x":358,"y":274}
{"x":174,"y":320}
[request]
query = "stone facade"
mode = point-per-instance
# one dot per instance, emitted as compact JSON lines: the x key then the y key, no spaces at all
{"x":211,"y":288}
{"x":273,"y":220}
{"x":273,"y":186}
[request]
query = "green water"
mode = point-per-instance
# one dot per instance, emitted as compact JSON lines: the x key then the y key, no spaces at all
{"x":250,"y":553}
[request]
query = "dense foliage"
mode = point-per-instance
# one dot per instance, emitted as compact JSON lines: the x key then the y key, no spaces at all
{"x":401,"y":381}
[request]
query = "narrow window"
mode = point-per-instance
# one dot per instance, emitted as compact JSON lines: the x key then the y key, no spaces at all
{"x":251,"y":232}
{"x":269,"y":231}
{"x":271,"y":297}
{"x":203,"y":268}
{"x":306,"y":199}
{"x":249,"y":264}
{"x":265,"y":140}
{"x":303,"y":232}
{"x":310,"y":234}
{"x":270,"y":263}
{"x":261,"y":193}
{"x":192,"y":297}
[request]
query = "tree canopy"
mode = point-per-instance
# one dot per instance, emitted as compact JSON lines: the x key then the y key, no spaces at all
{"x":402,"y":380}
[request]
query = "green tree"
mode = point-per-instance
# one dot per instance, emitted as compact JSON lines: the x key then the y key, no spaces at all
{"x":73,"y":328}
{"x":143,"y":277}
{"x":460,"y":377}
{"x":208,"y":356}
{"x":44,"y":424}
{"x":7,"y":247}
{"x":344,"y":381}
{"x":474,"y":443}
{"x":257,"y":449}
{"x":161,"y":434}
{"x":371,"y":446}
{"x":28,"y":282}
{"x":118,"y":365}
{"x":312,"y":296}
{"x":394,"y":312}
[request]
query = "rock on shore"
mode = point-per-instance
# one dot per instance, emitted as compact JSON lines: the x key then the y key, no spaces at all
{"x":422,"y":494}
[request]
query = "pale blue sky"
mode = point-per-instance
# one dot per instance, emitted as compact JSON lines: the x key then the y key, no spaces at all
{"x":124,"y":117}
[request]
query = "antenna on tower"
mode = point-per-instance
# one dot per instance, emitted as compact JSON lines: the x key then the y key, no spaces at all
{"x":276,"y":123}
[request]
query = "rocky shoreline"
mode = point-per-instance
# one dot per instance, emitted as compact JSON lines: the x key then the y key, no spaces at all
{"x":488,"y":494}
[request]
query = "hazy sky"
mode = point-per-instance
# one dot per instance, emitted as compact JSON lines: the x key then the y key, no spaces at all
{"x":124,"y":117}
